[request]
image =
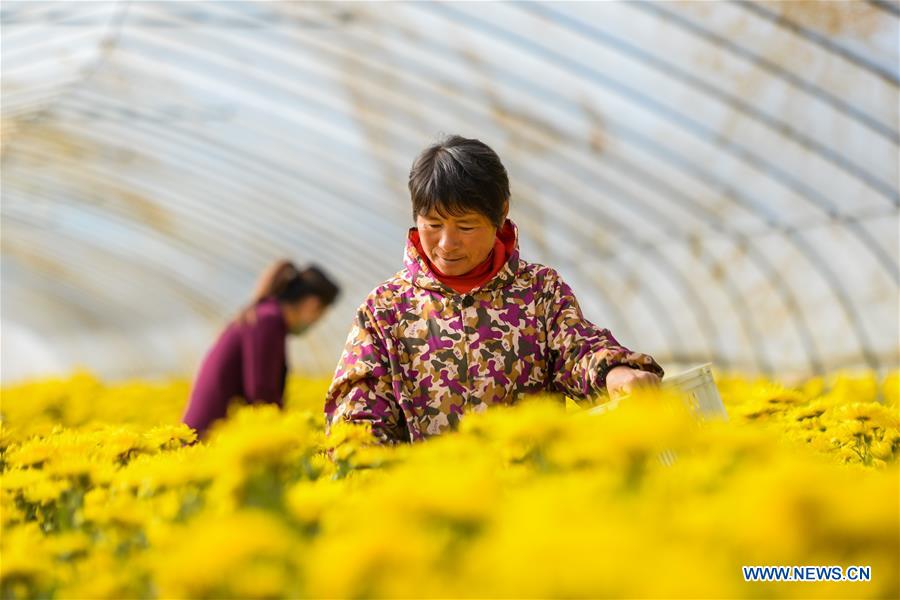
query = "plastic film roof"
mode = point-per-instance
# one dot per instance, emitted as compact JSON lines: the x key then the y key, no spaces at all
{"x":716,"y":181}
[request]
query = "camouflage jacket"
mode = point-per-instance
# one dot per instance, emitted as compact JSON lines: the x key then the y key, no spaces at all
{"x":420,"y":355}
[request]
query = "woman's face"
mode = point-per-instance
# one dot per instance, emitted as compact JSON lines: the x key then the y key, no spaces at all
{"x":456,"y":244}
{"x":302,"y":314}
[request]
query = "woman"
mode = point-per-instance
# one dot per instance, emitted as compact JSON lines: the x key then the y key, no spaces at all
{"x":466,"y":323}
{"x":249,"y":360}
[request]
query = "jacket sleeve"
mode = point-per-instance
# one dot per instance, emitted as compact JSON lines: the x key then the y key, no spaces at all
{"x":263,"y":362}
{"x":361,"y":391}
{"x":581,"y":354}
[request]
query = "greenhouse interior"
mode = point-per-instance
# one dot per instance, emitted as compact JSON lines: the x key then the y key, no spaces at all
{"x":676,"y":375}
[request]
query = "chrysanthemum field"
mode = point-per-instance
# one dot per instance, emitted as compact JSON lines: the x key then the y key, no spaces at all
{"x":105,"y":496}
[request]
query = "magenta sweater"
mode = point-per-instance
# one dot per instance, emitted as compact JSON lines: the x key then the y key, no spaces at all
{"x":247,"y":361}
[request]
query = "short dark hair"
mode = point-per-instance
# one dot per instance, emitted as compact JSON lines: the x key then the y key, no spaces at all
{"x":457,"y":175}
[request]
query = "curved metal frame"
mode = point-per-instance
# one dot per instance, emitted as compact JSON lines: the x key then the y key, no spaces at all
{"x":581,"y":172}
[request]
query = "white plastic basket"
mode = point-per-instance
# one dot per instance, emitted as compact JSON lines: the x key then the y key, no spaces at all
{"x":700,"y":391}
{"x":698,"y":387}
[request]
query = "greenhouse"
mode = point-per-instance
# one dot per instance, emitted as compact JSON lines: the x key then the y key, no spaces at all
{"x":243,"y":198}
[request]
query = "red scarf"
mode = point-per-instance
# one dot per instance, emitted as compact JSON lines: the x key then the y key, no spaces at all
{"x":504,"y":244}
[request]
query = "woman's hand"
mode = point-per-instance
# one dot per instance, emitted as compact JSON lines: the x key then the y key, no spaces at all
{"x":623,"y":380}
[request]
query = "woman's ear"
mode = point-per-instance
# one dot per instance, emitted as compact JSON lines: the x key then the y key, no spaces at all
{"x":505,"y":209}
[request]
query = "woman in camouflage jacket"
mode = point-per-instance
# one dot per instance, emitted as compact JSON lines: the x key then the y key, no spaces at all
{"x":467,"y":323}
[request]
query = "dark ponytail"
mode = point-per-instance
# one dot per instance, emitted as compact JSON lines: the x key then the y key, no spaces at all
{"x":284,"y":281}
